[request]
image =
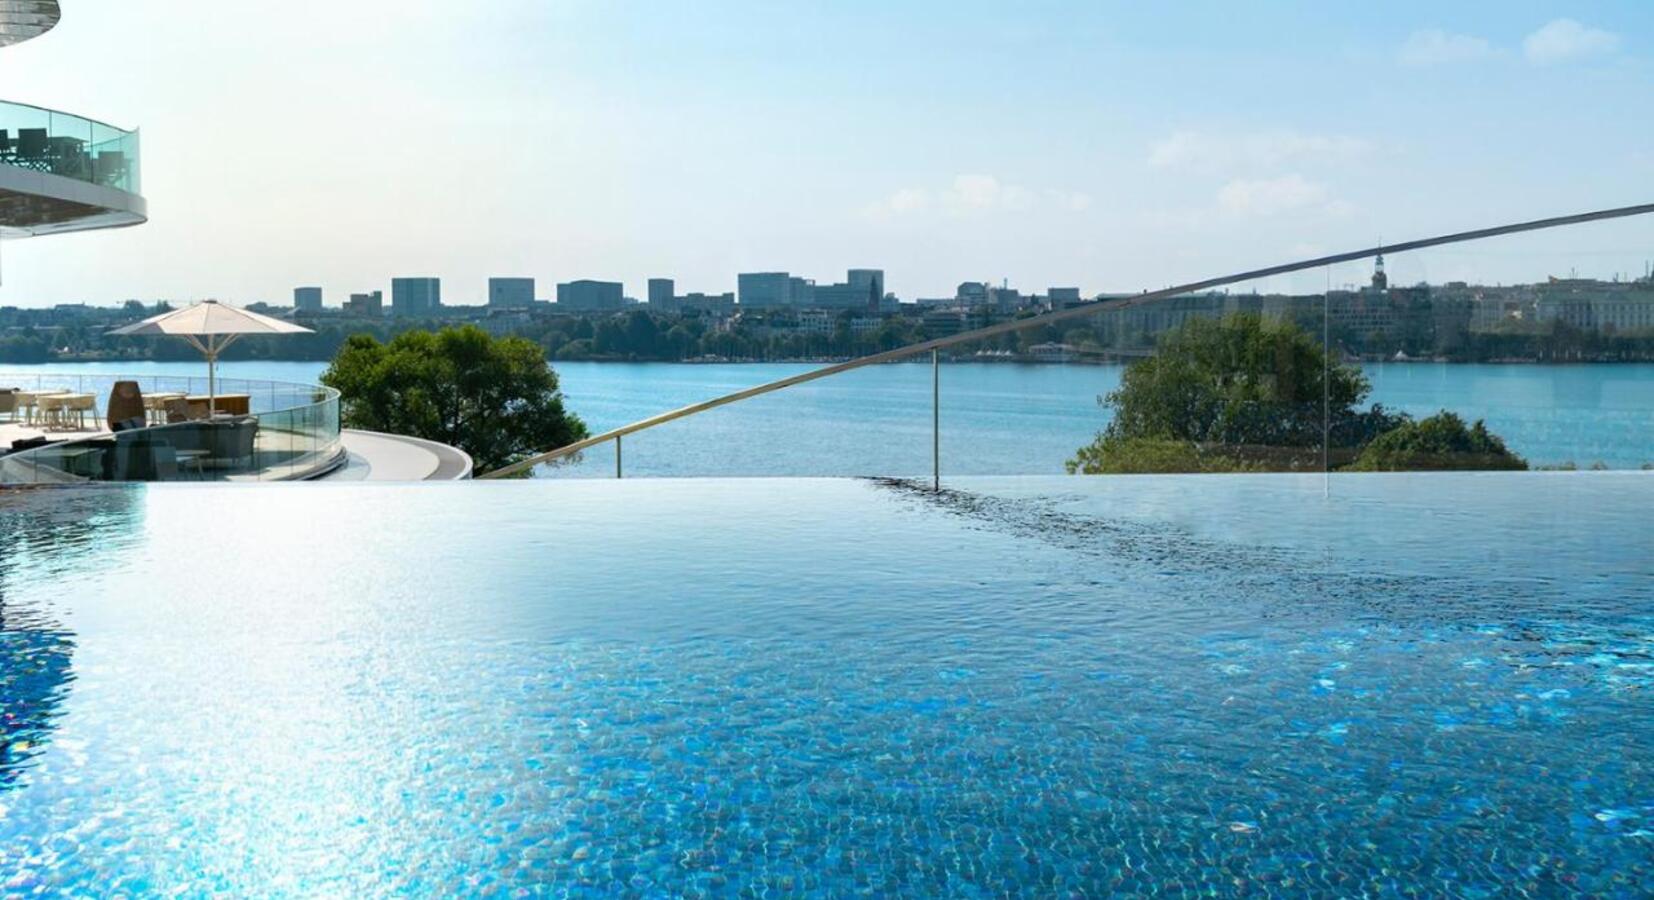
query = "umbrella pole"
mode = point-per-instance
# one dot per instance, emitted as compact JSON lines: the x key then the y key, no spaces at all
{"x":212,"y":376}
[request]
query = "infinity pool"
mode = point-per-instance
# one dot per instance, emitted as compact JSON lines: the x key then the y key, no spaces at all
{"x":1039,"y":686}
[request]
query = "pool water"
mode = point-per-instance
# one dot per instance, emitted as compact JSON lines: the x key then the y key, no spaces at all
{"x":1039,"y":686}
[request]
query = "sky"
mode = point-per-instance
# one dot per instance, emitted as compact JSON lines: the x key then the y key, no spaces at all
{"x":1109,"y":146}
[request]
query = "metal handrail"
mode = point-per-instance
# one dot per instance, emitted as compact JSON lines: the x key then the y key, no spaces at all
{"x":1083,"y":310}
{"x":59,"y":112}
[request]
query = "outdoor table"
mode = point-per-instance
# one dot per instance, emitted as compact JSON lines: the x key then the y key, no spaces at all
{"x":31,"y":401}
{"x":57,"y":407}
{"x":233,"y":404}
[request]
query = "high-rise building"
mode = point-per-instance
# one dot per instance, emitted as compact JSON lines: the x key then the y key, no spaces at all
{"x":510,"y":293}
{"x":801,"y":292}
{"x":765,"y":290}
{"x":367,"y":306}
{"x":971,"y":293}
{"x":870,"y":282}
{"x":718,"y":304}
{"x":861,"y":291}
{"x":307,"y":299}
{"x":415,"y":296}
{"x":586,"y":294}
{"x":661,"y":294}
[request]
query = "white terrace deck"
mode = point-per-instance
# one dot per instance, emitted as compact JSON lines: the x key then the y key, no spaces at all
{"x":18,"y":431}
{"x":369,"y":456}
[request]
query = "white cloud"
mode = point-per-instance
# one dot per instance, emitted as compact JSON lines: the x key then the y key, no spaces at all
{"x":1434,"y":47}
{"x":908,"y":200}
{"x":1270,"y":196}
{"x":1219,"y":152}
{"x":976,"y":194}
{"x":984,"y":192}
{"x":1073,"y":202}
{"x":1290,"y":197}
{"x":1562,"y":40}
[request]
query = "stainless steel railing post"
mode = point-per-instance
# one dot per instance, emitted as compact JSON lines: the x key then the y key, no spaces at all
{"x":617,"y":456}
{"x":936,"y":420}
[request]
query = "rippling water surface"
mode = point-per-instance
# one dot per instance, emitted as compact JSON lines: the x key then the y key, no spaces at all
{"x":1038,"y":686}
{"x":1001,"y":418}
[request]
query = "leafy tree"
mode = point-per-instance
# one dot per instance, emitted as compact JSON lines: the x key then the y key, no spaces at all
{"x":26,"y":348}
{"x":1245,"y":388}
{"x":1239,"y":381}
{"x":1440,"y":442}
{"x":1140,"y":456}
{"x":495,"y":398}
{"x":641,"y":333}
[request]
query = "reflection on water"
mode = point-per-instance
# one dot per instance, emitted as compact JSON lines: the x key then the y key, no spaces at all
{"x":1041,"y":687}
{"x":45,"y":534}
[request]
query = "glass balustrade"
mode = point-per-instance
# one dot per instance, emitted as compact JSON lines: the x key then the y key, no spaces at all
{"x":57,"y":143}
{"x":1531,"y":351}
{"x":253,"y":430}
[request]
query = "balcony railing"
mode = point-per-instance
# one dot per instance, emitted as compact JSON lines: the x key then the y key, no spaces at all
{"x":1317,"y":431}
{"x":288,"y":432}
{"x":44,"y":140}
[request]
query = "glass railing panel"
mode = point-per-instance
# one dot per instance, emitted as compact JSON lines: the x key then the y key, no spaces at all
{"x":1219,"y":381}
{"x":1544,"y":340}
{"x":867,"y":422}
{"x":68,"y":145}
{"x":292,"y":431}
{"x":272,"y":447}
{"x":26,"y":138}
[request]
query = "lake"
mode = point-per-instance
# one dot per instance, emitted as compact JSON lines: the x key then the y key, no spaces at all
{"x":1000,"y":418}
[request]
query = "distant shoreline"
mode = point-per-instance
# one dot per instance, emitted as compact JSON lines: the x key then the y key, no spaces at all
{"x":823,"y":361}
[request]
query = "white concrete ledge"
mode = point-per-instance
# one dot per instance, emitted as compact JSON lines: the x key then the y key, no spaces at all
{"x":373,"y":456}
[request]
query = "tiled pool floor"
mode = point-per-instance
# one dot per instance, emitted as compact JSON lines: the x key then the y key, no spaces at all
{"x":1040,"y":686}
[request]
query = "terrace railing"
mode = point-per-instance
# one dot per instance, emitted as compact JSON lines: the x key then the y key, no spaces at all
{"x":1082,"y":311}
{"x":58,"y":143}
{"x":291,"y":431}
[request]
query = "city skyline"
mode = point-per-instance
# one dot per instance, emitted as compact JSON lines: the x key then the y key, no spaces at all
{"x":988,"y":144}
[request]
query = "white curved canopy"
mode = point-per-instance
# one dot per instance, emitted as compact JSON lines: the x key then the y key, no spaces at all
{"x":24,"y":19}
{"x":218,"y":324}
{"x":207,"y":318}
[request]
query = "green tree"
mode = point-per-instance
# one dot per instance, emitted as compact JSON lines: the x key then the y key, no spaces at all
{"x":495,"y":398}
{"x":1439,"y":442}
{"x":642,"y":335}
{"x":1259,"y":391}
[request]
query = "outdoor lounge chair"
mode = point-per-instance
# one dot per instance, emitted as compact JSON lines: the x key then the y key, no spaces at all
{"x":32,"y":148}
{"x":125,"y":402}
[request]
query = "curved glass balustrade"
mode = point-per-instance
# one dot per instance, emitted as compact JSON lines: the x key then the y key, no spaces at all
{"x":262,"y":431}
{"x":45,"y":140}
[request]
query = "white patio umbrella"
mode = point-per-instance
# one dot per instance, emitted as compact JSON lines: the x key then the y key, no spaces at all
{"x":210,"y":326}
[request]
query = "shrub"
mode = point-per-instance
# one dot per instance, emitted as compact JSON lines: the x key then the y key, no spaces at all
{"x":1147,"y":456}
{"x":1440,"y":442}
